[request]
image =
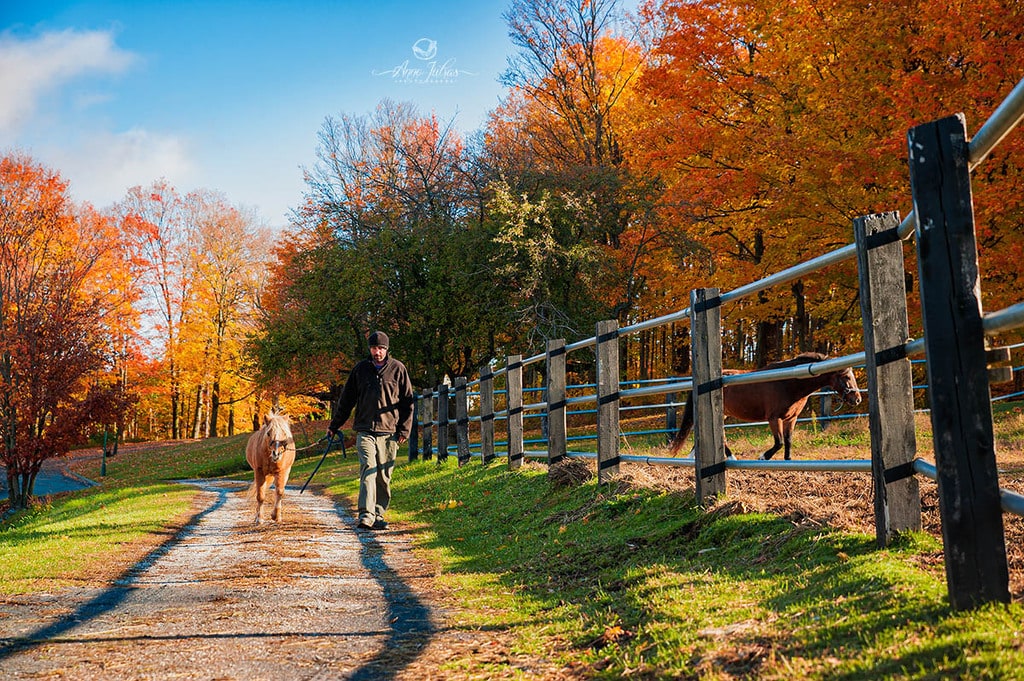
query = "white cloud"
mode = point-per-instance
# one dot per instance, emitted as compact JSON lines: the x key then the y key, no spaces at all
{"x":76,"y":132}
{"x":105,"y":165}
{"x":32,"y":68}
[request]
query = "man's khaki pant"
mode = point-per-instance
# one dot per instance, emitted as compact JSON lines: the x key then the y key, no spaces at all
{"x":377,"y":455}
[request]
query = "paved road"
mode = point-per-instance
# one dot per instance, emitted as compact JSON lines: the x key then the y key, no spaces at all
{"x":308,"y":598}
{"x":53,"y":477}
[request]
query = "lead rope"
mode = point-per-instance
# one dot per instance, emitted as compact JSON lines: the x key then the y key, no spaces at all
{"x":330,"y":441}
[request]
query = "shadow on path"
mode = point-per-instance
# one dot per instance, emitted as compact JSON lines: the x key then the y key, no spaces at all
{"x":410,"y":628}
{"x":407,"y":631}
{"x":112,"y":597}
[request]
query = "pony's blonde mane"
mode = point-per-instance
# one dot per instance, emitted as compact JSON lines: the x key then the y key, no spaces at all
{"x":278,"y":425}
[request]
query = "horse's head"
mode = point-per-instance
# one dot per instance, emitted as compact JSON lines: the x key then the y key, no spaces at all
{"x":278,"y":433}
{"x":845,"y":384}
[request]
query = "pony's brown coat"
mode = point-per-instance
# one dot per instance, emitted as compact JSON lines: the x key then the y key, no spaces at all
{"x":271,"y":453}
{"x":777,"y":402}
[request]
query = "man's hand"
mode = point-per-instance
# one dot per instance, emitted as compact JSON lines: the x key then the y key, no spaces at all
{"x":402,"y":439}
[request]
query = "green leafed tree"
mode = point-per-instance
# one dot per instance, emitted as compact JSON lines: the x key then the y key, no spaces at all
{"x":390,"y":236}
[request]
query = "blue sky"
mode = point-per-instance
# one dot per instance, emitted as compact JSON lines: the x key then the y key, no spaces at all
{"x":229,"y":96}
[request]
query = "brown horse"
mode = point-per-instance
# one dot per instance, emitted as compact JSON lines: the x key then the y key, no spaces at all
{"x":778,"y":402}
{"x":271,"y":453}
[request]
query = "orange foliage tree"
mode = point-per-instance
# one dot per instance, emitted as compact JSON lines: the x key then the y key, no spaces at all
{"x":57,"y":266}
{"x":155,"y":221}
{"x":569,"y":212}
{"x":227,"y":256}
{"x":201,"y":265}
{"x":773,"y":125}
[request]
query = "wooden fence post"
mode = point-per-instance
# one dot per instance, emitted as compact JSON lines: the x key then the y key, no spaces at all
{"x":462,"y":420}
{"x":514,"y":407}
{"x":414,"y":433}
{"x":883,"y":305}
{"x":708,"y":412}
{"x":972,"y":523}
{"x":556,"y":400}
{"x":486,"y":414}
{"x":607,"y":399}
{"x":428,"y":423}
{"x":442,"y":423}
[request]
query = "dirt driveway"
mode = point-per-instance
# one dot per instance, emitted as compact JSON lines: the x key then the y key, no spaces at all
{"x":309,"y":598}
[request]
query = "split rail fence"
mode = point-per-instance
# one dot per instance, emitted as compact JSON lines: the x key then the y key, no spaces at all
{"x":954,"y":342}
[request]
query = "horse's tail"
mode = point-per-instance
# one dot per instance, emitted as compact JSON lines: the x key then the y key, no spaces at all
{"x":684,"y":427}
{"x":250,"y":494}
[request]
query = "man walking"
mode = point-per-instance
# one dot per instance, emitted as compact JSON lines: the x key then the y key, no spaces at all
{"x":379,"y":390}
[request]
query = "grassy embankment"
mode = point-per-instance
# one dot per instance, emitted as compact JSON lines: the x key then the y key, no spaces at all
{"x":629,"y":579}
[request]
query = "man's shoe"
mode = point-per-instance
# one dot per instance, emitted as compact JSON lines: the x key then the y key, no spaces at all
{"x":380,"y":525}
{"x":363,"y":527}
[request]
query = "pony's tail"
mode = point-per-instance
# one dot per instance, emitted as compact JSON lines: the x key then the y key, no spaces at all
{"x":250,"y":494}
{"x":684,"y":427}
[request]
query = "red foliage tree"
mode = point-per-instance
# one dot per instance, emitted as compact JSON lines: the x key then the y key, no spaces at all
{"x":54,"y":301}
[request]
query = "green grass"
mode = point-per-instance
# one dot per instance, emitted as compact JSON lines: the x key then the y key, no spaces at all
{"x":59,"y":543}
{"x":613,"y":581}
{"x":635,"y":582}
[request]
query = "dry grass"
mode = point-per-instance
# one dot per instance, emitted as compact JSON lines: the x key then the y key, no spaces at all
{"x":570,"y":472}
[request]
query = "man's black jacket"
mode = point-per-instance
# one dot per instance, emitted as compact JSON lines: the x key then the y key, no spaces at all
{"x":382,"y":399}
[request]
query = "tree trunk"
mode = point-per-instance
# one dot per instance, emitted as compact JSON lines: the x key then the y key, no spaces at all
{"x":175,"y":406}
{"x":197,"y":414}
{"x":13,"y":493}
{"x":768,"y":338}
{"x":30,"y":487}
{"x":214,"y":408}
{"x":680,"y":350}
{"x":802,"y":321}
{"x":644,"y":340}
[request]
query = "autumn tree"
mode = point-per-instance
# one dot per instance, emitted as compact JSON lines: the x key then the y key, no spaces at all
{"x":204,"y":262}
{"x":57,"y":262}
{"x":228,"y":253}
{"x":155,"y":220}
{"x":774,"y":125}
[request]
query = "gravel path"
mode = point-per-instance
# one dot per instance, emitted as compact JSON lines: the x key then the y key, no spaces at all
{"x":308,"y":598}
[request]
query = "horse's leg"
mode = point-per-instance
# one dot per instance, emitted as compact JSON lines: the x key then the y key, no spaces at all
{"x":787,"y":434}
{"x":279,"y":478}
{"x":258,"y":486}
{"x":775,"y":425}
